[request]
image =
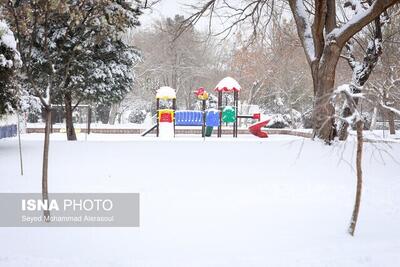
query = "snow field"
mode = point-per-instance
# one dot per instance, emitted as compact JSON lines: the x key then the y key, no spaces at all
{"x":282,"y":201}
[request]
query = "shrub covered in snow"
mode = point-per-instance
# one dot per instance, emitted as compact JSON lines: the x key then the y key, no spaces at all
{"x":306,"y":119}
{"x":278,"y":121}
{"x":137,"y":116}
{"x":287,"y":120}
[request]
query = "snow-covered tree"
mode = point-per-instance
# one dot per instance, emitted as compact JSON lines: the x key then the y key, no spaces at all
{"x":382,"y":92}
{"x":9,"y":61}
{"x":102,"y":74}
{"x":321,"y":35}
{"x":74,"y":49}
{"x":362,"y":68}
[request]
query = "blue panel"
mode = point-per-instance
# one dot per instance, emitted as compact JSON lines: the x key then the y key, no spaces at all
{"x":199,"y":118}
{"x":212,"y":118}
{"x":188,"y":118}
{"x":178,"y":117}
{"x":185,"y":118}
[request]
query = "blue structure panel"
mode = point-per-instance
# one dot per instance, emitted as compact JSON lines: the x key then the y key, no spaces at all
{"x":188,"y":118}
{"x":212,"y":118}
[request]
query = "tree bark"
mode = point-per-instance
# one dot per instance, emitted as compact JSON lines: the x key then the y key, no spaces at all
{"x":373,"y":120}
{"x":389,"y":114}
{"x":344,"y":125}
{"x":69,"y":123}
{"x":392,"y":126}
{"x":356,"y":210}
{"x":45,"y":167}
{"x":113,"y":113}
{"x":324,"y":80}
{"x":347,"y":112}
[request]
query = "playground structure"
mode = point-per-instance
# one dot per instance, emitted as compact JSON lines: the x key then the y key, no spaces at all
{"x":208,"y":118}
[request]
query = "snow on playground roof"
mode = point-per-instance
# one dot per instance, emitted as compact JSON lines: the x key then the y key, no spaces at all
{"x":228,"y":84}
{"x":166,"y":92}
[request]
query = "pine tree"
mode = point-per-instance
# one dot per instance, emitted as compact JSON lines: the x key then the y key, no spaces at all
{"x":74,"y":49}
{"x":9,"y":62}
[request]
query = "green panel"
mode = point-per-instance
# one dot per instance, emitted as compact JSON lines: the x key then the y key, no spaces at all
{"x":229,"y":114}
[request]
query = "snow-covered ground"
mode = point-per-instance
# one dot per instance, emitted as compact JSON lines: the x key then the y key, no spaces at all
{"x":281,"y":201}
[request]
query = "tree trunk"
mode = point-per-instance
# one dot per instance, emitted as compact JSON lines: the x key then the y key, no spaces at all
{"x":344,"y":125}
{"x":373,"y":120}
{"x":113,"y":113}
{"x":69,"y":123}
{"x":46,"y":146}
{"x":389,"y":114}
{"x":392,"y":126}
{"x":354,"y":217}
{"x":324,"y":80}
{"x":347,"y":112}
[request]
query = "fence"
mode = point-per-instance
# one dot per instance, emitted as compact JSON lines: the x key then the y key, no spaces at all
{"x":8,"y":126}
{"x":8,"y":131}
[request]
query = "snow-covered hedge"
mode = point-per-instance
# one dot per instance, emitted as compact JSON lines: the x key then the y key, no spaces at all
{"x":286,"y":120}
{"x":137,"y":116}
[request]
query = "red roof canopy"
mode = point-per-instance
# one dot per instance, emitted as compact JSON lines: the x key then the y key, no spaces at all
{"x":228,"y":84}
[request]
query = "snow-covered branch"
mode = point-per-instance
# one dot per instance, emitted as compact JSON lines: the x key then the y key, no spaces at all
{"x":360,"y":20}
{"x":396,"y":111}
{"x":303,"y":28}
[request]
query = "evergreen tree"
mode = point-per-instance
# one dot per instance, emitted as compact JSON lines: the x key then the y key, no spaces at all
{"x":9,"y":62}
{"x":74,"y":49}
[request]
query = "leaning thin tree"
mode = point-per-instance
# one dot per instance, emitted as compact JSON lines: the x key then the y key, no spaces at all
{"x":37,"y":71}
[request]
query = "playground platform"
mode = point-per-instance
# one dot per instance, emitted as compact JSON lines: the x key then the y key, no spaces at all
{"x":179,"y":131}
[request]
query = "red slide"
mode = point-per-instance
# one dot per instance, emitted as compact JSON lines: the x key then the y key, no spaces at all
{"x":256,"y":129}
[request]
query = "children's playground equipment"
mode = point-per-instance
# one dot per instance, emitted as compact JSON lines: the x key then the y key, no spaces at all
{"x":165,"y":117}
{"x":256,"y":129}
{"x":168,"y":117}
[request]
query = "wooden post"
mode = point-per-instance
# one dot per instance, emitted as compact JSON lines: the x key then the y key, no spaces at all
{"x":89,"y":118}
{"x":19,"y":145}
{"x":174,"y":108}
{"x":219,"y":133}
{"x":235,"y":124}
{"x":203,"y":125}
{"x":158,"y":125}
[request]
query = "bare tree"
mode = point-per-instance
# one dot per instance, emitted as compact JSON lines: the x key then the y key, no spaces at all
{"x":28,"y":32}
{"x":183,"y":64}
{"x":383,"y":90}
{"x":320,"y":37}
{"x":273,"y":71}
{"x":358,"y":121}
